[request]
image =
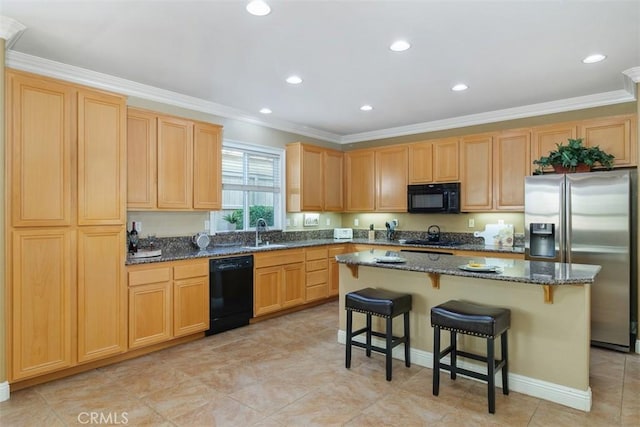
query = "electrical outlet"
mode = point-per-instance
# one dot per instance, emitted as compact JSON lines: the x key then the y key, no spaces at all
{"x":207,"y":224}
{"x":356,"y":222}
{"x":501,"y":221}
{"x":288,"y":222}
{"x":395,"y":221}
{"x":328,"y":221}
{"x":472,"y":222}
{"x":139,"y":227}
{"x":295,"y":222}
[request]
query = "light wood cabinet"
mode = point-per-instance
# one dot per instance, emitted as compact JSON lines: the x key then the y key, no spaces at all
{"x":207,"y":167}
{"x":279,"y":280}
{"x":434,"y":161}
{"x":376,"y":180}
{"x":101,"y":159}
{"x":41,"y":301}
{"x":614,"y":135}
{"x":360,"y":181}
{"x":317,"y":273}
{"x":174,"y":164}
{"x":334,"y":268}
{"x":65,"y":152}
{"x":544,"y":139}
{"x":190,"y":297}
{"x":141,"y":159}
{"x":476,"y":173}
{"x":102,"y":294}
{"x":41,"y":153}
{"x":314,"y":178}
{"x":391,"y":178}
{"x":511,"y":164}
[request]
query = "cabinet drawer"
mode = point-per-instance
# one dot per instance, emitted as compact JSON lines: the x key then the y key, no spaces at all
{"x":320,"y":264}
{"x":278,"y":257}
{"x":316,"y":253}
{"x":337,"y":250}
{"x":317,"y":292}
{"x":193,"y":269}
{"x":317,"y":277}
{"x":143,"y":277}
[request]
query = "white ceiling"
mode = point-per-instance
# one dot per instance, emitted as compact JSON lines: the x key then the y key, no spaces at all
{"x":519,"y":58}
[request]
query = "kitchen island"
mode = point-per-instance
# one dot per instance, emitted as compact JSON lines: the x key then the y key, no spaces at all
{"x":550,"y":313}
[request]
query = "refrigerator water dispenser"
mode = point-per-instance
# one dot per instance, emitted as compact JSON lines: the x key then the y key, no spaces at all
{"x":542,"y":240}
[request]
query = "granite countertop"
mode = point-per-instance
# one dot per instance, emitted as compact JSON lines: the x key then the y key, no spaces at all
{"x":511,"y":270}
{"x":221,"y":250}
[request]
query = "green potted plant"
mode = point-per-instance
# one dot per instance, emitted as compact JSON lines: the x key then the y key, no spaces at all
{"x":234,"y":219}
{"x":574,"y":157}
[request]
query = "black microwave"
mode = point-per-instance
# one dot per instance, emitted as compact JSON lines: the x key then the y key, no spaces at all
{"x":434,"y":198}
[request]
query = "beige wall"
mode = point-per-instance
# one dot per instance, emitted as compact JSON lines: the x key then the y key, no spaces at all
{"x":3,"y":258}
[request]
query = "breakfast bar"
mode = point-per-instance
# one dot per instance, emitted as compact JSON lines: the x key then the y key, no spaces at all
{"x":549,"y":303}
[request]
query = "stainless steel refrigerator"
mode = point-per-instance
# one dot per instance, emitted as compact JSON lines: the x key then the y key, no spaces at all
{"x":589,"y":218}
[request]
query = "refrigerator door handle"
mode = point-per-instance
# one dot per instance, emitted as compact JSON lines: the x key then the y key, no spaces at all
{"x":565,"y":247}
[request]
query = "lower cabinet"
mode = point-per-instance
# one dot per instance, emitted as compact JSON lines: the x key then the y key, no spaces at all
{"x":334,"y":268}
{"x":167,"y":300}
{"x":278,"y":280}
{"x":317,"y":273}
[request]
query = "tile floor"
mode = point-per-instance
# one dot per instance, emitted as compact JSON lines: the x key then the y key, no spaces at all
{"x":289,"y":371}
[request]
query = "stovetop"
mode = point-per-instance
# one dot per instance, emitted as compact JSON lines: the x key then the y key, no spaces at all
{"x":427,"y":242}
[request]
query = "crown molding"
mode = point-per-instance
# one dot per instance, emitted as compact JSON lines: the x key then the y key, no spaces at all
{"x":569,"y":104}
{"x":34,"y":64}
{"x":10,"y":30}
{"x":46,"y":67}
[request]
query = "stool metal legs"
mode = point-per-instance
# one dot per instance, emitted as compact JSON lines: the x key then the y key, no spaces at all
{"x":349,"y":338}
{"x":505,"y":359}
{"x":407,"y":347}
{"x":491,"y":376}
{"x":436,"y":360}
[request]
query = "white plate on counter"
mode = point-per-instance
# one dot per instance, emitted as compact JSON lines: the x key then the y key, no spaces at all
{"x":390,"y":259}
{"x":485,"y":268}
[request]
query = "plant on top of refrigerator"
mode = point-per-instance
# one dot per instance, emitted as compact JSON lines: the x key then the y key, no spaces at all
{"x":574,"y":157}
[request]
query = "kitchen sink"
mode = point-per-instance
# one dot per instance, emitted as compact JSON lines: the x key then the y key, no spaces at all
{"x":266,"y":246}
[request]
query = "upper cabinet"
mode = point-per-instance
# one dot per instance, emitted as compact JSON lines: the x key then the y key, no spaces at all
{"x":434,"y":161}
{"x":545,"y":138}
{"x":314,"y":178}
{"x":173,"y":163}
{"x":376,"y":180}
{"x":41,"y":126}
{"x":493,"y":170}
{"x":614,"y":135}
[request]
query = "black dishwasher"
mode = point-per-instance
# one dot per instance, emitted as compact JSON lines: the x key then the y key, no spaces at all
{"x":230,"y":292}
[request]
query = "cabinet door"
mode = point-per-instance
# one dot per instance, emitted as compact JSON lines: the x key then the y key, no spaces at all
{"x":334,"y":271}
{"x":207,"y":167}
{"x":267,"y":290}
{"x":40,"y":130}
{"x":149,"y":314}
{"x":391,"y":179}
{"x":312,"y":178}
{"x":333,"y":181}
{"x":175,"y":161}
{"x":476,"y":158}
{"x":615,"y":135}
{"x":190,"y":306}
{"x":445,"y":160}
{"x":42,"y":302}
{"x":101,"y":158}
{"x":511,"y":165}
{"x":421,"y":163}
{"x":141,"y":160}
{"x":102,"y":292}
{"x":360,"y":181}
{"x":544,"y":139}
{"x":293,"y":285}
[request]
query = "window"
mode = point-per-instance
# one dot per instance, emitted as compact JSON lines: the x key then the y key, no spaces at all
{"x":251,"y":187}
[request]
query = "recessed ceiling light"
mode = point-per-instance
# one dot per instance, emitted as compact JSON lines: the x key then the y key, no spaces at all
{"x":366,"y":107}
{"x":265,"y":110}
{"x":460,"y":87}
{"x":258,"y":8}
{"x":399,"y":46}
{"x":594,"y":58}
{"x":294,"y":80}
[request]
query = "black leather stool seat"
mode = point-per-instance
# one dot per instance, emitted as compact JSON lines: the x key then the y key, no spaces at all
{"x":381,"y":303}
{"x":471,"y":319}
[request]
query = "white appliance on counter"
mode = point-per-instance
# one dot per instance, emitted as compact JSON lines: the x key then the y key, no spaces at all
{"x":343,"y":233}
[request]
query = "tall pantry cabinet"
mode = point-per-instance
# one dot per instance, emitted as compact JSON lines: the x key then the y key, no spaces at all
{"x":66,"y":300}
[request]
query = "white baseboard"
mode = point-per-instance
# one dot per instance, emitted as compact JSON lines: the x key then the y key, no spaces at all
{"x":4,"y":391}
{"x":638,"y":346}
{"x":567,"y":396}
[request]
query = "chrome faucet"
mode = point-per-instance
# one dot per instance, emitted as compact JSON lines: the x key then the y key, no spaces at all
{"x":261,"y":225}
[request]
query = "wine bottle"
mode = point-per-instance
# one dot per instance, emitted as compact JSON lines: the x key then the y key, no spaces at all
{"x":133,"y":238}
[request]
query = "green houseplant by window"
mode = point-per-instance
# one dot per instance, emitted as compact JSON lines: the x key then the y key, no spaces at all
{"x":574,"y":157}
{"x":234,"y":219}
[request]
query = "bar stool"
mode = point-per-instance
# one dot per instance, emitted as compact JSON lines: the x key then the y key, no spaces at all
{"x":471,"y":319}
{"x":381,"y":303}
